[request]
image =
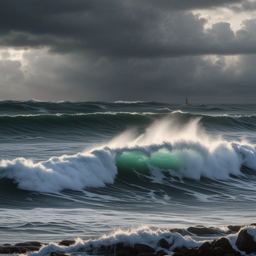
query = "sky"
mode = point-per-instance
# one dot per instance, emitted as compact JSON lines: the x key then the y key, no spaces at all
{"x":148,"y":50}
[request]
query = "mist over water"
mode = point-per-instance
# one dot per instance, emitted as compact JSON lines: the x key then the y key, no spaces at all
{"x":83,"y":169}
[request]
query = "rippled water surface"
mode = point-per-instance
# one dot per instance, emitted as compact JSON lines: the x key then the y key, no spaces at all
{"x":83,"y":169}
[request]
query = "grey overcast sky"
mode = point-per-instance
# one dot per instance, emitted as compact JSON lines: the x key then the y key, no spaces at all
{"x":161,"y":50}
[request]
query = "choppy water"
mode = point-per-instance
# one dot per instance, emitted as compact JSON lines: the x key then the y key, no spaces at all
{"x":84,"y":169}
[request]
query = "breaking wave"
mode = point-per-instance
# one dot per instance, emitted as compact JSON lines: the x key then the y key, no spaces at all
{"x":166,"y":148}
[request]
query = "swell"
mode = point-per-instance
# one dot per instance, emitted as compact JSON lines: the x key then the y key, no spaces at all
{"x":163,"y":152}
{"x":237,"y":122}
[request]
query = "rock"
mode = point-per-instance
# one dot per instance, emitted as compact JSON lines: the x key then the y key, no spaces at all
{"x":143,"y":248}
{"x":121,"y":249}
{"x":35,"y":243}
{"x":161,"y":253}
{"x":187,"y":252}
{"x":204,"y":251}
{"x":146,"y":254}
{"x":202,"y":231}
{"x":23,"y":244}
{"x":14,"y":249}
{"x":176,"y":230}
{"x":218,"y":252}
{"x":7,"y":245}
{"x":108,"y":249}
{"x":180,"y":249}
{"x":245,"y":242}
{"x":234,"y":228}
{"x":190,"y":251}
{"x":163,"y":243}
{"x":99,"y":252}
{"x":123,"y":253}
{"x":57,"y":254}
{"x":30,"y":243}
{"x":206,"y":244}
{"x":224,"y":244}
{"x":67,"y":242}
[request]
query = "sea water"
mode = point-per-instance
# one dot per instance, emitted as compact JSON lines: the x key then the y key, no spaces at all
{"x":101,"y":172}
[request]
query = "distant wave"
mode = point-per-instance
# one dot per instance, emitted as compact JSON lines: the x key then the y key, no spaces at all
{"x":131,"y":102}
{"x":32,"y":101}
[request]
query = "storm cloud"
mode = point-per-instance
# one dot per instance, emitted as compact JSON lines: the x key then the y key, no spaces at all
{"x":131,"y":50}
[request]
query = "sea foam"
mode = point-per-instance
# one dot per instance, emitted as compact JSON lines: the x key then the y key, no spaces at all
{"x":94,"y":169}
{"x":194,"y":152}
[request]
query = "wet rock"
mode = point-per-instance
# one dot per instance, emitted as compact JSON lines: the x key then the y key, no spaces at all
{"x":161,"y":253}
{"x":180,"y":249}
{"x":176,"y":230}
{"x":234,"y":228}
{"x":204,"y":251}
{"x":218,"y":252}
{"x":143,"y":248}
{"x":245,"y":242}
{"x":206,"y":244}
{"x":23,"y":244}
{"x":146,"y":254}
{"x":121,"y":249}
{"x":106,"y":248}
{"x":224,"y":244}
{"x":15,"y":249}
{"x":187,"y":252}
{"x":67,"y":242}
{"x":30,"y":243}
{"x":99,"y":252}
{"x":202,"y":231}
{"x":163,"y":243}
{"x":190,"y":251}
{"x":57,"y":254}
{"x":123,"y":253}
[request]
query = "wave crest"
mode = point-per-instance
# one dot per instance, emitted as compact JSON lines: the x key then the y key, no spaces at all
{"x":95,"y":169}
{"x":181,"y":150}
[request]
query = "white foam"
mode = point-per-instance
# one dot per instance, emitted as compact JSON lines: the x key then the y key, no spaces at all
{"x":32,"y":101}
{"x":198,"y":154}
{"x":78,"y":114}
{"x":95,"y":169}
{"x":130,"y":102}
{"x":143,"y":235}
{"x":251,"y":231}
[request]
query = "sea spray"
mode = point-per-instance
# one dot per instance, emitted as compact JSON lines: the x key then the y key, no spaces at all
{"x":95,"y":169}
{"x":187,"y":151}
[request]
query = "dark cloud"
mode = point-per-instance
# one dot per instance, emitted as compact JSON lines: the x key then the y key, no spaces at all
{"x":191,"y":5}
{"x":121,"y":28}
{"x":72,"y":77}
{"x":126,"y":50}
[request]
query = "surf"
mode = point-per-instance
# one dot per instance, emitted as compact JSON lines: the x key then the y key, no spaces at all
{"x":166,"y":146}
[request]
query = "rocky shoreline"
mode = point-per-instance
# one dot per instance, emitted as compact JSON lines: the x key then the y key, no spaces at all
{"x":245,"y":244}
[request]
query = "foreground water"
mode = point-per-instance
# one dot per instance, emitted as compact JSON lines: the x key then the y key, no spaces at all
{"x":85,"y":169}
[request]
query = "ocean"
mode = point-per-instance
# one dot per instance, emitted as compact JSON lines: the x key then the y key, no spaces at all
{"x":104,"y":172}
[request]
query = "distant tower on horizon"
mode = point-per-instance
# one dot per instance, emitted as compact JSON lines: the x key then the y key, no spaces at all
{"x":186,"y":101}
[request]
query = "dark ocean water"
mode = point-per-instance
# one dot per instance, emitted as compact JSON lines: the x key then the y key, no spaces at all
{"x":123,"y":170}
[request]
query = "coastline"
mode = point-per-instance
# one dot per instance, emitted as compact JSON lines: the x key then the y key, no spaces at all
{"x":198,"y":240}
